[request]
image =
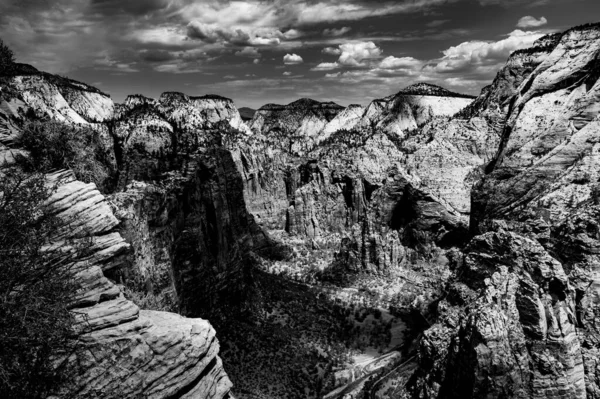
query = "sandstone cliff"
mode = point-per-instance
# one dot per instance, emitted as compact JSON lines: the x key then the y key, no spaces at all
{"x":517,"y":320}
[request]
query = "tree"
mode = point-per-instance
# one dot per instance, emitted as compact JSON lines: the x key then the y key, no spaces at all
{"x":7,"y":57}
{"x":37,"y":285}
{"x":54,"y":145}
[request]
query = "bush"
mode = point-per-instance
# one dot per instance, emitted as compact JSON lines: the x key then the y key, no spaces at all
{"x":36,"y":287}
{"x":7,"y":57}
{"x":54,"y":145}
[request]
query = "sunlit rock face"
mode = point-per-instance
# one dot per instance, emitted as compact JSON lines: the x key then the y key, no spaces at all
{"x":520,"y":316}
{"x":125,"y":351}
{"x":411,"y":108}
{"x":56,"y":97}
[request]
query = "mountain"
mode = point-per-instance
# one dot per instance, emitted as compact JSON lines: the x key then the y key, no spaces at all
{"x":428,"y":244}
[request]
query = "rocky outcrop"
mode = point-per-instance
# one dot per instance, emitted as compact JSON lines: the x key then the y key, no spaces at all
{"x":124,"y":351}
{"x":507,"y":327}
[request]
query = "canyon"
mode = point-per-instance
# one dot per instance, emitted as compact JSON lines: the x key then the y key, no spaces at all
{"x":426,"y":245}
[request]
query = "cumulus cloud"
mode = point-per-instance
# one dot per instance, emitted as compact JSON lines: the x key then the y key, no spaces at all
{"x":292,"y":59}
{"x":531,"y":22}
{"x":256,"y":61}
{"x":465,"y":67}
{"x":331,"y":51}
{"x":392,"y":62}
{"x":337,"y":32}
{"x":215,"y":33}
{"x":326,"y":66}
{"x":479,"y":53}
{"x":357,"y":53}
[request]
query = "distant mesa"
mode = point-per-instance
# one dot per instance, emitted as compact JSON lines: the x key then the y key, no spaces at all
{"x":246,"y":113}
{"x":303,"y":103}
{"x":428,"y":89}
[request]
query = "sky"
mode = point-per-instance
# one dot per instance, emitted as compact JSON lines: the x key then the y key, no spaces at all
{"x":276,"y":51}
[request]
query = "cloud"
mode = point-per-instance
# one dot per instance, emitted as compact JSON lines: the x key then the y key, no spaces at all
{"x":326,"y":66}
{"x":287,"y":73}
{"x":256,"y":61}
{"x":531,"y":22}
{"x":510,"y":3}
{"x":484,"y":56}
{"x":331,"y":51}
{"x":337,"y":32}
{"x":357,"y":53}
{"x":292,"y":59}
{"x":436,"y":23}
{"x":400,"y":63}
{"x":293,"y":34}
{"x":248,"y":52}
{"x":238,"y":36}
{"x":155,"y":55}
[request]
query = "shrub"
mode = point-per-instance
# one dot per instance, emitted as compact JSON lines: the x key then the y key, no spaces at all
{"x":36,"y":287}
{"x":54,"y":145}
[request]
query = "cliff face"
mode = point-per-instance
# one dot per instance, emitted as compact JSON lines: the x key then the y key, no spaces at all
{"x":518,"y":319}
{"x":125,"y":351}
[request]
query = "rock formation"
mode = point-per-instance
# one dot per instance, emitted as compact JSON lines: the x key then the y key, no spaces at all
{"x":125,"y":351}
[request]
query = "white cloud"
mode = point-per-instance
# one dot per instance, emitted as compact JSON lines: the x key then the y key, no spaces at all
{"x":292,"y":59}
{"x":479,"y":53}
{"x":355,"y":54}
{"x":287,"y":73}
{"x":331,"y":51}
{"x":400,"y":63}
{"x":256,"y":61}
{"x":337,"y":32}
{"x":214,"y":33}
{"x":326,"y":66}
{"x":531,"y":22}
{"x":293,"y":34}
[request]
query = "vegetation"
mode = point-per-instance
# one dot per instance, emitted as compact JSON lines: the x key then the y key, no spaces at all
{"x":7,"y":57}
{"x":36,"y":287}
{"x":54,"y":145}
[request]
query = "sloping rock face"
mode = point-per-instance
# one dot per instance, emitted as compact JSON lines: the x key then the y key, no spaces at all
{"x":58,"y":98}
{"x":125,"y":351}
{"x":412,"y":107}
{"x":519,"y":318}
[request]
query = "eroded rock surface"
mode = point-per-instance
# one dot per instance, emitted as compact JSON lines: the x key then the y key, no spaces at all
{"x":125,"y":351}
